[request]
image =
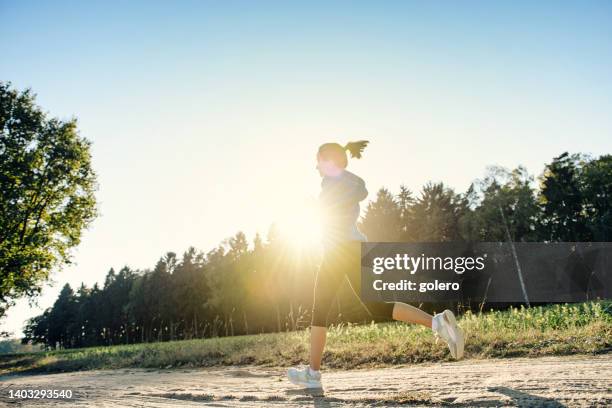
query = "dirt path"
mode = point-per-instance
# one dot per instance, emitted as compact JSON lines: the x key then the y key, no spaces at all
{"x":552,"y":381}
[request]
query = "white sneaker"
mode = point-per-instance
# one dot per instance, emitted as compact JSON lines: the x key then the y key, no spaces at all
{"x":445,"y":325}
{"x":305,"y":377}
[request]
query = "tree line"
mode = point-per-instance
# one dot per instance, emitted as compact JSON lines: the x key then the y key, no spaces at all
{"x":243,"y":287}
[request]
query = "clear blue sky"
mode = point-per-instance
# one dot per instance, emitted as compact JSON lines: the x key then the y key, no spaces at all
{"x":205,"y":116}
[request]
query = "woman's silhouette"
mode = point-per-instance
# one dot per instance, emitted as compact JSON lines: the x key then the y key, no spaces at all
{"x":341,"y":193}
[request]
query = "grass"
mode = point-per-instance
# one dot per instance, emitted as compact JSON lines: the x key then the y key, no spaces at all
{"x":584,"y":328}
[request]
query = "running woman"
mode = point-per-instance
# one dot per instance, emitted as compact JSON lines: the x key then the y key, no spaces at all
{"x":341,"y":193}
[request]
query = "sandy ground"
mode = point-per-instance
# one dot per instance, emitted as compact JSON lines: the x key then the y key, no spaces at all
{"x":573,"y":381}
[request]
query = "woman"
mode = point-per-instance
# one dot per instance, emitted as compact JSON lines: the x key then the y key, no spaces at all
{"x":341,"y":192}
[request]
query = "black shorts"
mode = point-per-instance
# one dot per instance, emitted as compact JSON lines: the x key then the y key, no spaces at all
{"x":344,"y":260}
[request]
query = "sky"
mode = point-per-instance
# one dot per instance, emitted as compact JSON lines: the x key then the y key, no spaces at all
{"x":205,"y":117}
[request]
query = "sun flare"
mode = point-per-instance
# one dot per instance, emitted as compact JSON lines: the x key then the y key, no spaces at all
{"x":301,"y":229}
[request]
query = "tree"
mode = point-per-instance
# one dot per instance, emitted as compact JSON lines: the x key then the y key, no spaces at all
{"x":117,"y":292}
{"x":405,"y":202}
{"x":46,"y":193}
{"x":510,"y":192}
{"x":159,"y":291}
{"x":189,"y":291}
{"x":436,"y":215}
{"x":596,"y":185}
{"x":62,"y":318}
{"x":562,"y":200}
{"x":381,"y":221}
{"x":36,"y":329}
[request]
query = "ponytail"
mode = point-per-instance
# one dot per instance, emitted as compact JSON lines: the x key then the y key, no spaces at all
{"x":356,"y":148}
{"x":337,"y":152}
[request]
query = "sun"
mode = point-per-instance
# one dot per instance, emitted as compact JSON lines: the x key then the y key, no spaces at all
{"x":301,"y":228}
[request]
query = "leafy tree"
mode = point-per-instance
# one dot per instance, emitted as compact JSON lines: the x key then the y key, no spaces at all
{"x":46,"y":193}
{"x":596,"y":186}
{"x":508,"y":201}
{"x":36,"y":329}
{"x":562,"y":200}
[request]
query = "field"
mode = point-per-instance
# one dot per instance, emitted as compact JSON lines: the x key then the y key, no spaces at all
{"x":556,"y":330}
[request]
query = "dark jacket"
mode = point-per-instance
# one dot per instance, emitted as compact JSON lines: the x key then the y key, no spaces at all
{"x":339,"y":201}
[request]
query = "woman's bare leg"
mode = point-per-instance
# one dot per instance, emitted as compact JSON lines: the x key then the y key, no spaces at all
{"x":411,"y":314}
{"x":318,"y":335}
